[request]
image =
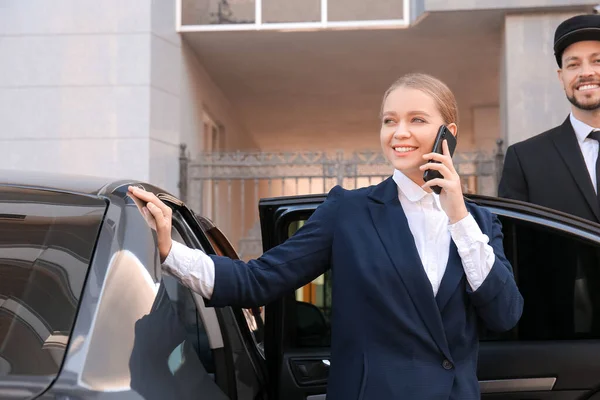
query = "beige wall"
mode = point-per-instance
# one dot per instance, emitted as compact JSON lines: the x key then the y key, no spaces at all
{"x":75,"y":87}
{"x":326,"y":140}
{"x":486,"y":128}
{"x":200,"y":94}
{"x":533,"y":100}
{"x":165,"y":97}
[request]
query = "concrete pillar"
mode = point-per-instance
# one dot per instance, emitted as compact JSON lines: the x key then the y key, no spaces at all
{"x":90,"y":87}
{"x":165,"y":96}
{"x":531,"y":97}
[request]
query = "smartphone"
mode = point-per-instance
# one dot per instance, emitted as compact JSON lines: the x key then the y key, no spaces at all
{"x":443,"y":134}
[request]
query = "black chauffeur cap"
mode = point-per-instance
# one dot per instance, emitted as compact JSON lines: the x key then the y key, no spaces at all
{"x":575,"y":29}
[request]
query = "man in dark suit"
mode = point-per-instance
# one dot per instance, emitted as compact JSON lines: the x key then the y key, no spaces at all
{"x":558,"y":168}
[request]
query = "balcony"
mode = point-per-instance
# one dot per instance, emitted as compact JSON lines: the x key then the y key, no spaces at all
{"x":235,"y":15}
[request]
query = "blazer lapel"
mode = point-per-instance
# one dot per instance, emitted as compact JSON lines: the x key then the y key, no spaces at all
{"x":452,"y":277}
{"x":392,"y":226}
{"x":566,"y":144}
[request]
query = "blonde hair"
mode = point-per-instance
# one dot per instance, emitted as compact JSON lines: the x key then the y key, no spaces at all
{"x":440,"y":93}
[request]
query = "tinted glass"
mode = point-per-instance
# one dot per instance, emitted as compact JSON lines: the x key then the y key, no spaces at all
{"x":46,"y":244}
{"x":188,"y":315}
{"x":559,"y":278}
{"x":154,"y":331}
{"x":248,"y":384}
{"x":254,"y":318}
{"x":313,"y":307}
{"x":557,"y":274}
{"x":170,"y":349}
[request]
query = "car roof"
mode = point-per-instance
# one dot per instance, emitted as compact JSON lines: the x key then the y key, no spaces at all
{"x":70,"y":183}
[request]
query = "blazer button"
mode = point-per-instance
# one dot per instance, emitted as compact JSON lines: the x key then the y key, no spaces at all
{"x":447,"y":364}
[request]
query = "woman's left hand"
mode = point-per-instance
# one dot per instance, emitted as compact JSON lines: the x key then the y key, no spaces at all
{"x":451,"y":196}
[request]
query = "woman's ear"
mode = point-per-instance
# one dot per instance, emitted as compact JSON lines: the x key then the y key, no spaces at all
{"x":453,"y":128}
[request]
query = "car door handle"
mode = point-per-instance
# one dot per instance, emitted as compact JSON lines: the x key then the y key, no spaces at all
{"x":517,"y":385}
{"x":310,"y":372}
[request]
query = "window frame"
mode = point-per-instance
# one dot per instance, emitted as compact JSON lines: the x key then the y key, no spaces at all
{"x":322,"y":24}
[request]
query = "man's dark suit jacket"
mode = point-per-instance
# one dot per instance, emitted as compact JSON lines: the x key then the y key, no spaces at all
{"x":549,"y":170}
{"x":391,"y":338}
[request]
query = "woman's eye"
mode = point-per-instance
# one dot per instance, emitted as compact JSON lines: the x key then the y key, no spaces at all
{"x":417,"y":119}
{"x":387,"y":121}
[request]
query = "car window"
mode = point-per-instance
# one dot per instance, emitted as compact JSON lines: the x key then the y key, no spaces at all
{"x":557,"y":274}
{"x":188,"y":313}
{"x":46,"y":244}
{"x":245,"y":361}
{"x":313,"y":307}
{"x":253,"y":317}
{"x":147,"y":335}
{"x":559,"y":278}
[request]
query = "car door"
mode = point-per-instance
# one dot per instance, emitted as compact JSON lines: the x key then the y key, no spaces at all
{"x":552,"y":354}
{"x":235,"y":335}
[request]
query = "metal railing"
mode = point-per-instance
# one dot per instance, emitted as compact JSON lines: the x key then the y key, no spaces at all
{"x":227,"y":186}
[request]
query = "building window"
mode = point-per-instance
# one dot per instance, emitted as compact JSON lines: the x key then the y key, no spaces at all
{"x":223,"y":15}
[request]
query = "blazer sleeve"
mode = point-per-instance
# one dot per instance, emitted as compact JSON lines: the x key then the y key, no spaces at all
{"x":291,"y":265}
{"x":513,"y":184}
{"x":498,"y":301}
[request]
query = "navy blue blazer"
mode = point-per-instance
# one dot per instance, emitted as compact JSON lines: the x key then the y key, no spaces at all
{"x":391,"y":337}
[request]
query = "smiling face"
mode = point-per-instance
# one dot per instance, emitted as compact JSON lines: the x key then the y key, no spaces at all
{"x":580,"y":74}
{"x":409,"y":123}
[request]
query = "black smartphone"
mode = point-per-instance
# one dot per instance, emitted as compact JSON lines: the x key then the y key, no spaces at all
{"x":443,"y":134}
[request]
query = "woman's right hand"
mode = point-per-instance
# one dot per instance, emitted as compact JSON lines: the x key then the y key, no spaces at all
{"x":162,"y":215}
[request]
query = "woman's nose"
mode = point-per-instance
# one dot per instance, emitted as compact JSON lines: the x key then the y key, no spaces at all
{"x":401,"y":132}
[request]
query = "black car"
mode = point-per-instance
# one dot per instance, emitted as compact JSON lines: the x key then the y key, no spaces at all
{"x":85,"y":311}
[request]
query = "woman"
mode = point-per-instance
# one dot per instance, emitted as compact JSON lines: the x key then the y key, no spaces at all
{"x":412,"y":272}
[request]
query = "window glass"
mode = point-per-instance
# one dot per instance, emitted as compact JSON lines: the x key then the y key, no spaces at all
{"x":255,"y":317}
{"x":358,"y":10}
{"x":240,"y":346}
{"x":188,"y":314}
{"x":209,"y":12}
{"x":171,"y":356}
{"x":559,"y":278}
{"x":46,"y":244}
{"x":313,"y":307}
{"x":278,"y":11}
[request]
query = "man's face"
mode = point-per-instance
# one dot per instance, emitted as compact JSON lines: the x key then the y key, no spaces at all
{"x":580,"y":74}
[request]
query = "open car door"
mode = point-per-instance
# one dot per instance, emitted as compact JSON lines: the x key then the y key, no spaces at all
{"x":552,"y":354}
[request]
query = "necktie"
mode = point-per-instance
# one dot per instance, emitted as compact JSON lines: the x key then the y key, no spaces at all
{"x":596,"y":136}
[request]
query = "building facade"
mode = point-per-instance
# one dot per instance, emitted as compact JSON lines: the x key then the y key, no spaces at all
{"x":114,"y":88}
